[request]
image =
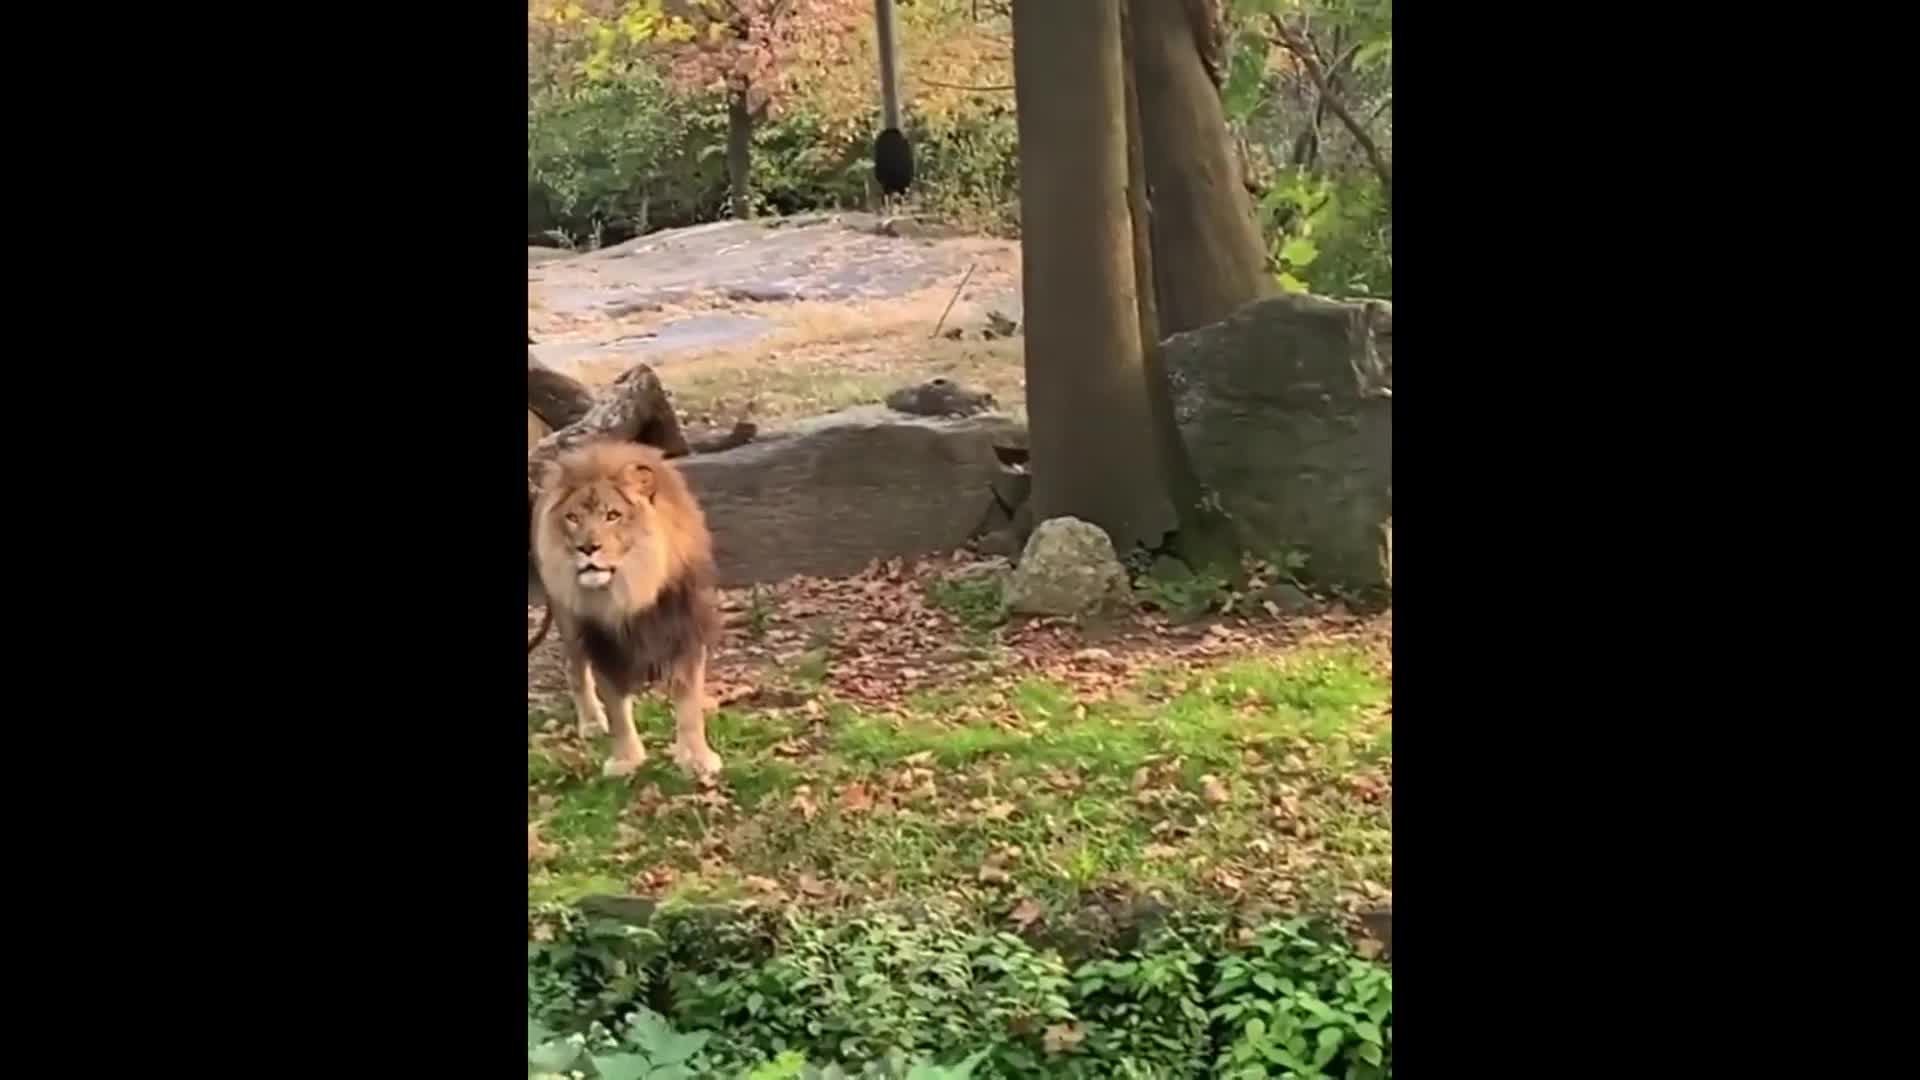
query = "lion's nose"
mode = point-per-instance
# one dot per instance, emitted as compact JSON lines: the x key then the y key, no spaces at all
{"x":588,"y":548}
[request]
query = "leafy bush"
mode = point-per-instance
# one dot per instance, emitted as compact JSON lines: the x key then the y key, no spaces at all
{"x":603,"y":154}
{"x":887,"y":995}
{"x":867,"y":987}
{"x":1307,"y":1007}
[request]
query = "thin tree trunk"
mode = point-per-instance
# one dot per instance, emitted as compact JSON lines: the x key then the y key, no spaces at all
{"x":1087,"y":381}
{"x":739,"y":147}
{"x":1208,"y":256}
{"x":1204,"y":538}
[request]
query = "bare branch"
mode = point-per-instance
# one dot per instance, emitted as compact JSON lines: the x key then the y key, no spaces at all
{"x":1303,"y":52}
{"x":958,"y":86}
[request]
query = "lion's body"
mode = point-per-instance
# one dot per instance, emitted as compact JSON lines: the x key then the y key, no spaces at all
{"x":623,"y":555}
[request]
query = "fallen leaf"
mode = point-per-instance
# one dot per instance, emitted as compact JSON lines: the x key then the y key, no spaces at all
{"x":1059,"y":1038}
{"x":1160,"y":851}
{"x":924,"y":757}
{"x":1025,"y":913}
{"x":997,"y":810}
{"x":803,"y":803}
{"x":762,"y":884}
{"x":811,"y":885}
{"x":854,"y":798}
{"x":1215,"y":791}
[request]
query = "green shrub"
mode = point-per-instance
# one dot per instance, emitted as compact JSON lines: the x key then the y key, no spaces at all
{"x":888,"y":995}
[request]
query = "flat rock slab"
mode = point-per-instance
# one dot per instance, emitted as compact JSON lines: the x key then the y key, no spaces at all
{"x":656,"y":346}
{"x":826,"y":257}
{"x":828,"y":495}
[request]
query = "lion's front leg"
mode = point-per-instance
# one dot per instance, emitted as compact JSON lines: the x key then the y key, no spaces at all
{"x":627,"y":754}
{"x":689,"y":688}
{"x":586,"y":703}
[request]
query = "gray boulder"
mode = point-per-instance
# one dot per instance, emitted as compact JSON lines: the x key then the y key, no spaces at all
{"x":1286,"y":407}
{"x":1068,"y":568}
{"x":828,"y":495}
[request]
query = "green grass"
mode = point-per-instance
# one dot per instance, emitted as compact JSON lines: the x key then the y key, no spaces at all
{"x":1260,"y":776}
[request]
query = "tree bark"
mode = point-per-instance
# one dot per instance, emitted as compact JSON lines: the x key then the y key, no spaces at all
{"x":1208,"y":256}
{"x":1093,"y":452}
{"x":739,"y":147}
{"x":634,"y":409}
{"x":1205,"y":538}
{"x":556,"y":399}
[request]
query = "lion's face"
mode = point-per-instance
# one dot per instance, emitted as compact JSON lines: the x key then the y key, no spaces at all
{"x":606,"y":528}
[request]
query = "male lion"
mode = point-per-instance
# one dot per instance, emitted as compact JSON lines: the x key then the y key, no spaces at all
{"x":623,"y":554}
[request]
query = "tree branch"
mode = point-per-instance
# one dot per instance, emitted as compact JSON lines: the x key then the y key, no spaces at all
{"x":1304,"y":53}
{"x":957,"y":86}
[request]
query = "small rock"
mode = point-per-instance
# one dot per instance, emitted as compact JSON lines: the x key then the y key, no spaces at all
{"x":1068,"y":568}
{"x":940,"y":397}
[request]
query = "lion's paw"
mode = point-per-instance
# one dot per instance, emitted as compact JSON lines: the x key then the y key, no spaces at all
{"x":699,"y":761}
{"x":615,"y":767}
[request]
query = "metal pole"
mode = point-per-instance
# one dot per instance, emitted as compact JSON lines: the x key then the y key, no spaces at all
{"x":889,"y":65}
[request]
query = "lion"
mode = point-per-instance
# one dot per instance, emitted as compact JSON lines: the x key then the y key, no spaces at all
{"x":623,"y":554}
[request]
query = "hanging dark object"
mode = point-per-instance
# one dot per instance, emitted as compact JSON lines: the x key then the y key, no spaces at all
{"x":892,"y":157}
{"x":893,"y":162}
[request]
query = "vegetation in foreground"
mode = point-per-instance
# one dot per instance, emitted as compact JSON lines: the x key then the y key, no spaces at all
{"x":923,"y":995}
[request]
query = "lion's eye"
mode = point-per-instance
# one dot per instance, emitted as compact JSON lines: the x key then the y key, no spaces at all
{"x":573,"y":519}
{"x":613,"y":515}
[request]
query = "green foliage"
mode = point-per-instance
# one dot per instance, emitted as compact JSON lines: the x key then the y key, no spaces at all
{"x":1325,"y":212}
{"x":1305,"y":1007}
{"x":890,"y":995}
{"x":878,"y":985}
{"x":760,"y":611}
{"x":581,"y":969}
{"x":615,"y":154}
{"x":978,"y":601}
{"x":1180,"y":592}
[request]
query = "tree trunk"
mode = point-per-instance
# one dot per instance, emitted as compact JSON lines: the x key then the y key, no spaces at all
{"x":1093,"y":452}
{"x":1208,"y":256}
{"x":739,"y":146}
{"x":1205,"y":538}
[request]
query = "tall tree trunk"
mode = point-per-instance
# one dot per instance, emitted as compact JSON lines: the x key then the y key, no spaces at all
{"x":1204,"y":539}
{"x":1208,"y":257}
{"x":1093,"y":452}
{"x":739,"y":146}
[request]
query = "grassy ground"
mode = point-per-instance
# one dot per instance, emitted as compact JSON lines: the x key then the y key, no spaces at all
{"x":1015,"y":770}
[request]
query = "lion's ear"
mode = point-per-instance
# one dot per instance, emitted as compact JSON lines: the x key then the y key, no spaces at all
{"x":637,"y":483}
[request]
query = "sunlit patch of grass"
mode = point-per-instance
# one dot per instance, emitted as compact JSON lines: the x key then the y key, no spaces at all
{"x":1028,"y":789}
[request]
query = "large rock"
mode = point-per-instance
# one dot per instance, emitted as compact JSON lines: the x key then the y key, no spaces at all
{"x":828,"y":495}
{"x":1068,"y":568}
{"x":1287,"y":409}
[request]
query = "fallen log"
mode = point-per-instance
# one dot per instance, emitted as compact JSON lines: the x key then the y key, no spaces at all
{"x":553,"y":397}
